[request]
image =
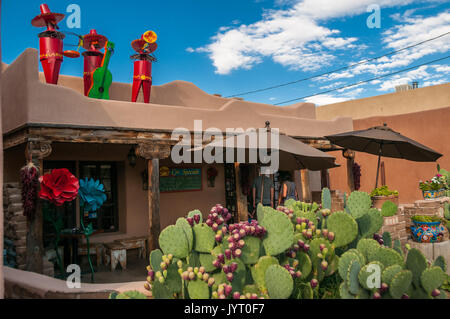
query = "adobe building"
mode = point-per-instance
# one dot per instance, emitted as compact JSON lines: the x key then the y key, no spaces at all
{"x":60,"y":127}
{"x":422,"y":114}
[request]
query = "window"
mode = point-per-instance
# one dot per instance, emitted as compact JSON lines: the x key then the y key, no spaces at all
{"x":106,"y":218}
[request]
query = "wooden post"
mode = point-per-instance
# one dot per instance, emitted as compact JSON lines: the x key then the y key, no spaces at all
{"x":37,"y":150}
{"x":153,"y":152}
{"x":305,"y":185}
{"x":350,"y":178}
{"x":153,"y":203}
{"x":383,"y":174}
{"x":242,"y":211}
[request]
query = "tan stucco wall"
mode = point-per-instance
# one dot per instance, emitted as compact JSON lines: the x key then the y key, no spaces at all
{"x":422,"y":99}
{"x":430,"y":128}
{"x":176,"y":104}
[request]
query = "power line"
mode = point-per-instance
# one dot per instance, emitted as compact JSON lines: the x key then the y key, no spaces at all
{"x":364,"y":81}
{"x":337,"y":70}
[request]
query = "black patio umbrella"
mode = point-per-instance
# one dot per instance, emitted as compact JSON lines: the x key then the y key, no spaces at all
{"x":383,"y":141}
{"x":291,"y":153}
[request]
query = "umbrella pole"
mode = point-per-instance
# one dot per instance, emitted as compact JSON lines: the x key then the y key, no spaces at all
{"x":378,"y":170}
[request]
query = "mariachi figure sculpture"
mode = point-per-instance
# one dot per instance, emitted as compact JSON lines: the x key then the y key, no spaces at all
{"x":93,"y":57}
{"x":50,"y":43}
{"x":142,"y":76}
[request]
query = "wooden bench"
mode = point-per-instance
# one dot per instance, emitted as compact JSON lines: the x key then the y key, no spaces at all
{"x":115,"y":253}
{"x":135,"y":243}
{"x":94,"y":249}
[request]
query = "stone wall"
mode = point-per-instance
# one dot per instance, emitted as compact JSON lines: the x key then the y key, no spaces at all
{"x":14,"y":223}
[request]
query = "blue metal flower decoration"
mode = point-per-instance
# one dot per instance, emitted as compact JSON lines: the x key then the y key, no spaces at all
{"x":92,"y":194}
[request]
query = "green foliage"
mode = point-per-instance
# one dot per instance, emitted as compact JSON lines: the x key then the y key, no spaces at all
{"x":398,"y":247}
{"x":155,"y":259}
{"x":280,"y":231}
{"x":368,"y":247}
{"x":417,"y":263}
{"x":187,"y":230}
{"x":344,"y":227}
{"x":250,"y":251}
{"x":440,"y":262}
{"x":326,"y":198}
{"x":206,"y":260}
{"x":358,"y":203}
{"x":198,"y":289}
{"x":383,"y":191}
{"x":432,"y":278}
{"x":133,"y":294}
{"x":305,"y":264}
{"x":365,"y":272}
{"x":389,"y":273}
{"x":426,"y":219}
{"x":352,"y":276}
{"x":204,"y":238}
{"x":400,"y":283}
{"x":387,"y":239}
{"x":387,"y":256}
{"x":171,"y":242}
{"x":389,"y":209}
{"x":279,"y":282}
{"x":370,"y":223}
{"x":259,"y":271}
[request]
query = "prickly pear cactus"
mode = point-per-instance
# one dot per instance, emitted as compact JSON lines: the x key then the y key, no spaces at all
{"x":417,"y":263}
{"x":370,"y":223}
{"x":250,"y":251}
{"x":196,"y":212}
{"x":305,"y":264}
{"x":366,"y":272}
{"x":432,"y":278}
{"x":352,"y":276}
{"x":368,"y":247}
{"x":326,"y":198}
{"x":358,"y":203}
{"x":387,"y":239}
{"x":204,"y":238}
{"x":198,"y":289}
{"x":171,"y":242}
{"x":134,"y":294}
{"x":346,"y":259}
{"x":344,"y":227}
{"x":389,"y":273}
{"x":279,"y":282}
{"x":155,"y":259}
{"x":400,"y":284}
{"x":389,"y":209}
{"x":259,"y":271}
{"x":280,"y":231}
{"x":187,"y":230}
{"x":387,"y":256}
{"x":441,"y":262}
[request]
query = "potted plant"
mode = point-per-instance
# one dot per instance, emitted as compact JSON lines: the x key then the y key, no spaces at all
{"x":428,"y":229}
{"x":434,"y":188}
{"x":382,"y":194}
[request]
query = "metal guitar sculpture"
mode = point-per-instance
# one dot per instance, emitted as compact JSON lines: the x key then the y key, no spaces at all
{"x":102,"y":77}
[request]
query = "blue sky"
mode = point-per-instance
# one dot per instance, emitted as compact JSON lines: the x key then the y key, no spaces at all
{"x":234,"y":46}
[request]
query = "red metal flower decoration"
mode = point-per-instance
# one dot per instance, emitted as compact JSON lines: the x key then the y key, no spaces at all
{"x":59,"y":186}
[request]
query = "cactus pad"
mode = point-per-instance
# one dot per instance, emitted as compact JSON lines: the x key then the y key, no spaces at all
{"x":193,"y":259}
{"x":387,"y":256}
{"x":206,"y":260}
{"x":358,"y":203}
{"x":389,"y":273}
{"x":198,"y":289}
{"x":133,"y":294}
{"x":240,"y":274}
{"x":389,"y":209}
{"x":441,"y":262}
{"x":204,"y":238}
{"x":344,"y":292}
{"x":387,"y":239}
{"x":187,"y":229}
{"x":250,"y":251}
{"x":366,"y":272}
{"x":345,"y":260}
{"x":279,"y":282}
{"x":304,"y":264}
{"x":315,"y":248}
{"x":344,"y":227}
{"x":352,"y":276}
{"x":160,"y":291}
{"x":400,"y":283}
{"x":155,"y":259}
{"x":370,"y":223}
{"x":173,"y":279}
{"x":259,"y":271}
{"x":368,"y":247}
{"x":171,"y":242}
{"x":417,"y":263}
{"x":432,"y":278}
{"x":326,"y":198}
{"x":280,"y":231}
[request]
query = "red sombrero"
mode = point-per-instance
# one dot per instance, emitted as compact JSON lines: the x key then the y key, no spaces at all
{"x":88,"y":40}
{"x":46,"y":17}
{"x":139,"y":44}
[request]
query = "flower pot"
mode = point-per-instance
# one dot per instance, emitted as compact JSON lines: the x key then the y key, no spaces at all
{"x":433,"y":194}
{"x":424,"y":232}
{"x":378,"y":201}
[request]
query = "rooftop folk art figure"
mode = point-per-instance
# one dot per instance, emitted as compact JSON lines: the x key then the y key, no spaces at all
{"x":102,"y":77}
{"x":142,"y":76}
{"x":93,"y":57}
{"x":50,"y":43}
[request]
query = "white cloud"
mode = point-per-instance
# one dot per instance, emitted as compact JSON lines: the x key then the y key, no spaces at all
{"x":293,"y":37}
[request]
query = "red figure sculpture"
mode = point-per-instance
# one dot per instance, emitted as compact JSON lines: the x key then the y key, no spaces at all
{"x":93,"y":43}
{"x":50,"y":43}
{"x":142,"y":76}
